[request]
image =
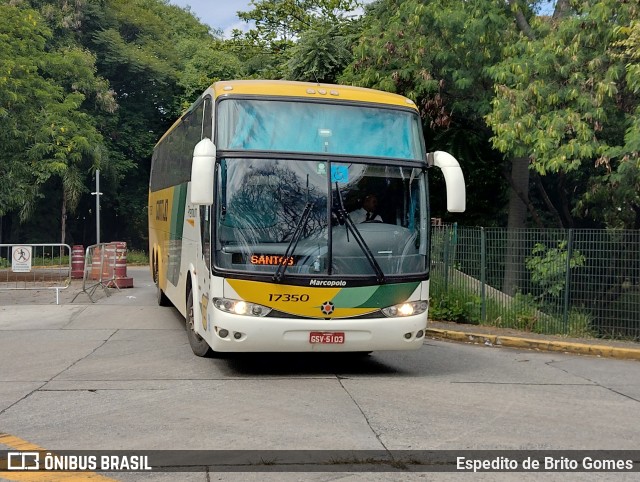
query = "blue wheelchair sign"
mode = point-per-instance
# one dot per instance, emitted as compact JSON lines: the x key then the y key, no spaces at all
{"x":339,"y":174}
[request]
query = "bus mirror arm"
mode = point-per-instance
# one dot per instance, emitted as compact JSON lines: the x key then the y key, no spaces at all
{"x":202,"y":169}
{"x":453,"y":177}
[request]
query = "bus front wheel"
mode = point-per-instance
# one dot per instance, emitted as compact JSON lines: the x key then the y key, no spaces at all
{"x":198,"y":345}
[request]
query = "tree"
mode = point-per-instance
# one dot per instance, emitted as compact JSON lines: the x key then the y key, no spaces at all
{"x":444,"y":55}
{"x":42,"y":92}
{"x":93,"y":85}
{"x":563,"y":102}
{"x":298,"y":39}
{"x":286,"y":20}
{"x":23,"y":36}
{"x":205,"y":64}
{"x":438,"y":54}
{"x":321,"y":53}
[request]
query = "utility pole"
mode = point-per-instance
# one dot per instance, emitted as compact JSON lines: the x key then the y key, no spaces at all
{"x":97,"y":194}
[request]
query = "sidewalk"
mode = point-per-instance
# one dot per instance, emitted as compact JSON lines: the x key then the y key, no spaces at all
{"x":494,"y":336}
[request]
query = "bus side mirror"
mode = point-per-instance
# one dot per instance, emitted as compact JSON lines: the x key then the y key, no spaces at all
{"x":453,"y":178}
{"x":202,"y":168}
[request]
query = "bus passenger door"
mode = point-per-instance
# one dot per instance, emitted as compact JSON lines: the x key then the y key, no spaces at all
{"x":204,"y":264}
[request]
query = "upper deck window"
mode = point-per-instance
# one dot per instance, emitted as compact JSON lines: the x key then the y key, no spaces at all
{"x":313,"y":127}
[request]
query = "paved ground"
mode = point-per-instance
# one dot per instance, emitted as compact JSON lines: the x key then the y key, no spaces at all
{"x":119,"y":374}
{"x":78,"y":294}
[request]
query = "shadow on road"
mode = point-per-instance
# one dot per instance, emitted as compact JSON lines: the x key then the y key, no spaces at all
{"x":306,"y":364}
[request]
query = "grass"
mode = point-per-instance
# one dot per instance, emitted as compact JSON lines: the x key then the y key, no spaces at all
{"x":521,"y":312}
{"x":137,"y":258}
{"x":40,"y":262}
{"x":134,"y":258}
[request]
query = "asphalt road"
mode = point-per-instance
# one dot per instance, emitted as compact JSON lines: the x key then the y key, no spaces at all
{"x":119,"y":374}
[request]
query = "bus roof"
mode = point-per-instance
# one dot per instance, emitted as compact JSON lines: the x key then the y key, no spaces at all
{"x":286,"y":88}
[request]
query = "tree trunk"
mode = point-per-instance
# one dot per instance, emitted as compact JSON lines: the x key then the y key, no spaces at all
{"x":524,"y":197}
{"x":565,"y":205}
{"x":562,"y":9}
{"x":550,"y":206}
{"x":516,"y":222}
{"x":636,"y":223}
{"x":521,"y":20}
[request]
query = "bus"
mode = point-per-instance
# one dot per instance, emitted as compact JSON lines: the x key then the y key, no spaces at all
{"x":256,"y":232}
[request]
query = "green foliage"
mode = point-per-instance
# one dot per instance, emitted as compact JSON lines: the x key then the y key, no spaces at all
{"x":87,"y":85}
{"x":22,"y":35}
{"x":548,"y":267}
{"x":580,"y":324}
{"x":296,"y":39}
{"x":47,"y":133}
{"x":438,"y":53}
{"x":522,"y":312}
{"x":92,"y":85}
{"x":563,"y":100}
{"x":205,"y":65}
{"x":277,"y":20}
{"x":526,"y":314}
{"x":320,"y":55}
{"x":137,"y":258}
{"x":456,"y":304}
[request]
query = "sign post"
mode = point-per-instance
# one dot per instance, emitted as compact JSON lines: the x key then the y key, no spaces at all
{"x":97,"y":194}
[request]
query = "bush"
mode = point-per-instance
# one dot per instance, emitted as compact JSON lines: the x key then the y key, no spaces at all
{"x":456,"y":305}
{"x":137,"y":258}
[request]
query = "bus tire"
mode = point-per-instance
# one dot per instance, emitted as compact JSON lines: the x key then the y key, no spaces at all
{"x":198,"y":345}
{"x":161,"y":297}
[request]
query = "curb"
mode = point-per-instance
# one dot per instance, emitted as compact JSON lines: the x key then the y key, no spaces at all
{"x":544,"y":345}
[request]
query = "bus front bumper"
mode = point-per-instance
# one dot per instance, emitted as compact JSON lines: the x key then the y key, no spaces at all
{"x":237,"y":333}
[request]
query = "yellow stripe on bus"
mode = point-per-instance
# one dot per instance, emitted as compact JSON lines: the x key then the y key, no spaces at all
{"x":18,"y":444}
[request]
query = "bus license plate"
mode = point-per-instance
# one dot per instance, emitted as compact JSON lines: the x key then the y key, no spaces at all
{"x":326,"y":338}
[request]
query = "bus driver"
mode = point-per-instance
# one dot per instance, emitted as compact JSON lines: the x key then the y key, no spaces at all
{"x":367,"y":213}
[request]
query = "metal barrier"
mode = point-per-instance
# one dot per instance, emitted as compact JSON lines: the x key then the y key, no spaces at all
{"x":99,"y":270}
{"x":576,"y":282}
{"x":35,"y":267}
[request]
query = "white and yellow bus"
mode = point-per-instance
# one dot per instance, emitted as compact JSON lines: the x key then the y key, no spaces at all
{"x":256,"y":226}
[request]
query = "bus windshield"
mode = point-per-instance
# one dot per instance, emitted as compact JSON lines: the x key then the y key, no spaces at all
{"x":314,"y":127}
{"x":320,"y":217}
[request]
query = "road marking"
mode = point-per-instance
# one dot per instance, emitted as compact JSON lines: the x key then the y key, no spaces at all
{"x":16,"y":443}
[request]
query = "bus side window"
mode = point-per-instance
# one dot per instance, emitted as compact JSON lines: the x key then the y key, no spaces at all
{"x":207,"y":121}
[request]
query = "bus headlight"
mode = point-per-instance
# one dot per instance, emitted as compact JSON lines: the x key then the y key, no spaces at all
{"x":406,"y":309}
{"x":239,"y":307}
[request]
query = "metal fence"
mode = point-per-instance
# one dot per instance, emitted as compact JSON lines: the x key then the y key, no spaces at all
{"x":35,"y":267}
{"x":572,"y":282}
{"x":100,"y":263}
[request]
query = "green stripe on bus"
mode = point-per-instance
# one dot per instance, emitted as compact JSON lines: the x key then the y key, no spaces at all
{"x":176,"y":228}
{"x":374,"y":296}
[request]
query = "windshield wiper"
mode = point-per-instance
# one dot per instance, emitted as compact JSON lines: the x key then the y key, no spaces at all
{"x":297,"y":232}
{"x":344,"y":215}
{"x":291,"y":247}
